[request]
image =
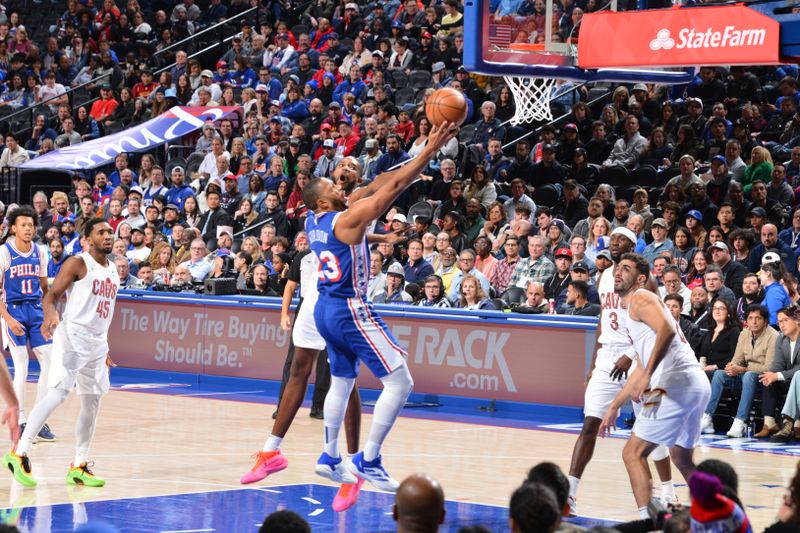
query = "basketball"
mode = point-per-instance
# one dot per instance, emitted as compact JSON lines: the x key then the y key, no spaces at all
{"x":446,"y":105}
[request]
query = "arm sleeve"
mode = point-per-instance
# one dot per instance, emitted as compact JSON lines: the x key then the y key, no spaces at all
{"x":44,"y":259}
{"x":5,"y":261}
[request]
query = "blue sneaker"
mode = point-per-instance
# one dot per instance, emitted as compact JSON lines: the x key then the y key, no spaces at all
{"x":373,"y":472}
{"x":45,"y":435}
{"x":333,"y":469}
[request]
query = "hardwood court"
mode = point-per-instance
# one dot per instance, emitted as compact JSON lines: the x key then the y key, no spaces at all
{"x":153,"y":444}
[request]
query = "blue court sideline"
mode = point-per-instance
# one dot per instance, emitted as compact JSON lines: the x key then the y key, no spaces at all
{"x":211,"y":512}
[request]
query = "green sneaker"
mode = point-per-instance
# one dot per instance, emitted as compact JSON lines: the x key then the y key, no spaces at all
{"x":81,"y":475}
{"x":20,"y":467}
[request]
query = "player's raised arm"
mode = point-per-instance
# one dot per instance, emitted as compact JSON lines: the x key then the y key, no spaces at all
{"x":74,"y":269}
{"x":352,"y":223}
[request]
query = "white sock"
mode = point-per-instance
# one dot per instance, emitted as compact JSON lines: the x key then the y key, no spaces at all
{"x":334,"y":409}
{"x":43,"y":354}
{"x":84,"y":428}
{"x":273,"y":443}
{"x":19,"y":354}
{"x":770,"y":422}
{"x":573,"y":485}
{"x":40,"y":413}
{"x":668,"y":491}
{"x":644,"y":514}
{"x":396,"y":388}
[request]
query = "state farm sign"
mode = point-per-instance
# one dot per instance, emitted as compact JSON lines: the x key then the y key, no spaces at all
{"x":724,"y":35}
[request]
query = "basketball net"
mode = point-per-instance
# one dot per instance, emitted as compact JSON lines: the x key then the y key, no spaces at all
{"x":532,"y":98}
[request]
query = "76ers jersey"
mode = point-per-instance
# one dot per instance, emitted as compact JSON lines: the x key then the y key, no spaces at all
{"x":343,"y":268}
{"x":614,"y":316}
{"x":21,"y":272}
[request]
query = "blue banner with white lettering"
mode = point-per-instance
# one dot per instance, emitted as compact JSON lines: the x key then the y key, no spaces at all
{"x":171,"y":125}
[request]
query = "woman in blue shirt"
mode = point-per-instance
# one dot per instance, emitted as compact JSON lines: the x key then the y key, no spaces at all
{"x":776,"y":297}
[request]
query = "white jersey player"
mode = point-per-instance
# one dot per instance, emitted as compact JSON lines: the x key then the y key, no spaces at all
{"x":80,"y":351}
{"x":614,"y":356}
{"x":668,"y":382}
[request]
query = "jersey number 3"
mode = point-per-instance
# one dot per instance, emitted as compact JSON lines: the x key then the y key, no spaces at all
{"x":614,"y":321}
{"x":329,"y":267}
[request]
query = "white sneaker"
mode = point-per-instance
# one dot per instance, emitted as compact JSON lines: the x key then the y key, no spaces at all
{"x":737,"y":429}
{"x":572,"y":504}
{"x":707,"y":426}
{"x":334,"y":469}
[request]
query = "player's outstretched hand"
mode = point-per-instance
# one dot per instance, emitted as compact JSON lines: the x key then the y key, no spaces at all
{"x":286,"y":322}
{"x":11,"y":419}
{"x":608,"y":424}
{"x":621,"y":367}
{"x":441,"y":135}
{"x":15,"y":327}
{"x":49,"y":325}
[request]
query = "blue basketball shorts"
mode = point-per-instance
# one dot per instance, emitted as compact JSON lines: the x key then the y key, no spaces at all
{"x":354,"y":333}
{"x":31,"y":316}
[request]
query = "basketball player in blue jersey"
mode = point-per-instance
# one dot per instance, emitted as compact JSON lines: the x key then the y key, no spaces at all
{"x":352,"y":331}
{"x":23,"y":265}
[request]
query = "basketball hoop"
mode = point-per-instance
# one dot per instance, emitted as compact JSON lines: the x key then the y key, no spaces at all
{"x":531,"y":95}
{"x":532,"y":98}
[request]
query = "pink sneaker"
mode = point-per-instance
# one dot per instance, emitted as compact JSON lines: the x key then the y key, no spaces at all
{"x":266,"y":463}
{"x":347,"y":496}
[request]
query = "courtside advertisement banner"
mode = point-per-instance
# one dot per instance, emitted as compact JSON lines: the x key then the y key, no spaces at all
{"x":167,"y":127}
{"x":728,"y":35}
{"x":515,"y":362}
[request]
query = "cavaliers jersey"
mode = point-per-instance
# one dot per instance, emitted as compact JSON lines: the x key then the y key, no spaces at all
{"x":90,"y":300}
{"x":343,"y":268}
{"x":21,"y":272}
{"x":679,"y":366}
{"x":614,"y":315}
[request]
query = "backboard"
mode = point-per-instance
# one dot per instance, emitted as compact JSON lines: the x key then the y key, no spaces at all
{"x":536,"y":38}
{"x":553,"y":39}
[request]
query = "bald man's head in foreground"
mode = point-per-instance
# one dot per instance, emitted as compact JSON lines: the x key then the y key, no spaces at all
{"x":419,"y":505}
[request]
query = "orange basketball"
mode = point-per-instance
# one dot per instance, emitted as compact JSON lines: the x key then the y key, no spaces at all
{"x":446,"y":105}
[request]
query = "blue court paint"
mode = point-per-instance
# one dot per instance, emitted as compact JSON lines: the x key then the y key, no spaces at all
{"x":211,"y":512}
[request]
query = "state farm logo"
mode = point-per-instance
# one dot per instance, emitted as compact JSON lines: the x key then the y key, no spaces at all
{"x":729,"y":37}
{"x":662,"y":41}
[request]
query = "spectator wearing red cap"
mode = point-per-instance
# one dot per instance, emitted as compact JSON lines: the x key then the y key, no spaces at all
{"x":223,"y":74}
{"x":554,"y":286}
{"x":426,"y":54}
{"x":347,"y":140}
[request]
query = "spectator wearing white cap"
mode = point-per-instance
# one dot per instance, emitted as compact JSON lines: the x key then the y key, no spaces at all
{"x":351,"y":24}
{"x":330,"y":158}
{"x":660,"y":243}
{"x":733,"y":272}
{"x":207,"y":82}
{"x":393,"y":291}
